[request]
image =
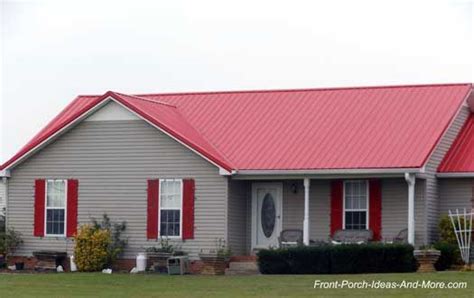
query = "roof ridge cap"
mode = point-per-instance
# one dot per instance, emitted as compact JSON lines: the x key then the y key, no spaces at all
{"x":304,"y":89}
{"x":145,"y":99}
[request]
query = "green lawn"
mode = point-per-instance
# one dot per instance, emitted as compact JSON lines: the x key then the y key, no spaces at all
{"x":125,"y":285}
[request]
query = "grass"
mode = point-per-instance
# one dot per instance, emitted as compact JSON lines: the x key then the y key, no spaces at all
{"x":126,"y":285}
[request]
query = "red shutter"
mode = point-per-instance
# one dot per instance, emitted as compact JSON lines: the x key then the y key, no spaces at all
{"x":72,"y":194}
{"x":375,"y":208}
{"x":152,"y":210}
{"x":336,"y":205}
{"x":188,"y":209}
{"x":40,"y":189}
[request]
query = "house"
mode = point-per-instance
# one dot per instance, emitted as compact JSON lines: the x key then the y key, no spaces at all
{"x":242,"y":166}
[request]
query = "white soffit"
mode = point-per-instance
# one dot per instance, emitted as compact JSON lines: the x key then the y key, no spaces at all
{"x":112,"y":112}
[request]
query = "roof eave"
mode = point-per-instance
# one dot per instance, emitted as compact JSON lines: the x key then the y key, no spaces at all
{"x":332,"y":171}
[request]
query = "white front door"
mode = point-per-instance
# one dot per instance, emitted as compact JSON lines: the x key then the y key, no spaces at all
{"x":266,"y":214}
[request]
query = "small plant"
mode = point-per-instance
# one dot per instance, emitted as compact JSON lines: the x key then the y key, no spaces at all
{"x":92,"y":248}
{"x":9,"y":242}
{"x":165,"y":247}
{"x":426,"y":247}
{"x":222,"y":249}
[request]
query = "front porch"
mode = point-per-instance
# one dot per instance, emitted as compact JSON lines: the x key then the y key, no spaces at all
{"x":260,"y":209}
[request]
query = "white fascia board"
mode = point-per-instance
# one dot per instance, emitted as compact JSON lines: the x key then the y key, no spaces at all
{"x":456,"y":175}
{"x":224,"y":172}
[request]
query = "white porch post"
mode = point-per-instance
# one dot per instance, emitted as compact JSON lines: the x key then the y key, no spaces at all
{"x":410,"y":178}
{"x":306,"y":212}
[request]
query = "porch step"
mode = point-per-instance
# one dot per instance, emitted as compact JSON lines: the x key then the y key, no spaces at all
{"x":243,"y":259}
{"x":242,"y":268}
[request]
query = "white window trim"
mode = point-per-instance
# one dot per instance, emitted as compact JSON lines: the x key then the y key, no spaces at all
{"x":46,"y":208}
{"x":180,"y":210}
{"x":355,"y":210}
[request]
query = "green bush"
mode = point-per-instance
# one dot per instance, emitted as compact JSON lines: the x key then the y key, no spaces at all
{"x":449,"y":255}
{"x":274,"y":261}
{"x":9,"y":241}
{"x":337,"y":259}
{"x":446,"y":231}
{"x":91,"y":250}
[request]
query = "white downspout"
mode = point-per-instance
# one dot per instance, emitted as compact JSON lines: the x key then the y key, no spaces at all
{"x":410,"y":179}
{"x":306,"y":212}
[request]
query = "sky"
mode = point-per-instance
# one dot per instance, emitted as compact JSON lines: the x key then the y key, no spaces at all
{"x":52,"y":51}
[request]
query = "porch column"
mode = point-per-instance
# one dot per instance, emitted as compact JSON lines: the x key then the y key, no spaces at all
{"x":410,"y":179}
{"x":306,"y":212}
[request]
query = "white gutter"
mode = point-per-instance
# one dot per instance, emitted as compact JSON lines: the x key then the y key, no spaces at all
{"x":5,"y":173}
{"x":456,"y":175}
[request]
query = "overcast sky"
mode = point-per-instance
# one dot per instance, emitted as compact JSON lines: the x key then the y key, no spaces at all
{"x":54,"y":50}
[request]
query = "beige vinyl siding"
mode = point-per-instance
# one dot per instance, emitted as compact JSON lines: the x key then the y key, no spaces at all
{"x":432,"y":183}
{"x":238,"y":210}
{"x":395,"y":209}
{"x":319,"y":207}
{"x":112,"y":161}
{"x":455,"y":193}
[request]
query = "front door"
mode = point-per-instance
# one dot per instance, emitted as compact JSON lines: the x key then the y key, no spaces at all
{"x":266,"y":214}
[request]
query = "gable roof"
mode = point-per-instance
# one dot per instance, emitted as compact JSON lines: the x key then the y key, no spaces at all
{"x":309,"y":129}
{"x":460,"y":157}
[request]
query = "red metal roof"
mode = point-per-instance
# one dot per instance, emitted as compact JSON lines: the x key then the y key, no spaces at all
{"x":460,"y":157}
{"x":339,"y":128}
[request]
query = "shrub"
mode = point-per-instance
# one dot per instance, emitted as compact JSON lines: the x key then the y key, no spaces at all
{"x":9,"y":241}
{"x":274,"y":261}
{"x":351,"y":258}
{"x":117,"y":244}
{"x":91,"y":251}
{"x":449,"y":255}
{"x":446,"y":231}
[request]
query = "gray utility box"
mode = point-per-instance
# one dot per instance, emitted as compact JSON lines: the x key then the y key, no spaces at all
{"x":178,"y":265}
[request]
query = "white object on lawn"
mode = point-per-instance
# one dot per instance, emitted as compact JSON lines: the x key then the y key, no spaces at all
{"x":12,"y":267}
{"x":59,"y":269}
{"x":134,"y":270}
{"x":462,"y":231}
{"x":141,"y":262}
{"x":107,"y":271}
{"x":72,"y":264}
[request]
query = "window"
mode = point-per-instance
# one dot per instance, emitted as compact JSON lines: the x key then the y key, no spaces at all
{"x":55,"y":207}
{"x":356,"y":205}
{"x":171,"y":197}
